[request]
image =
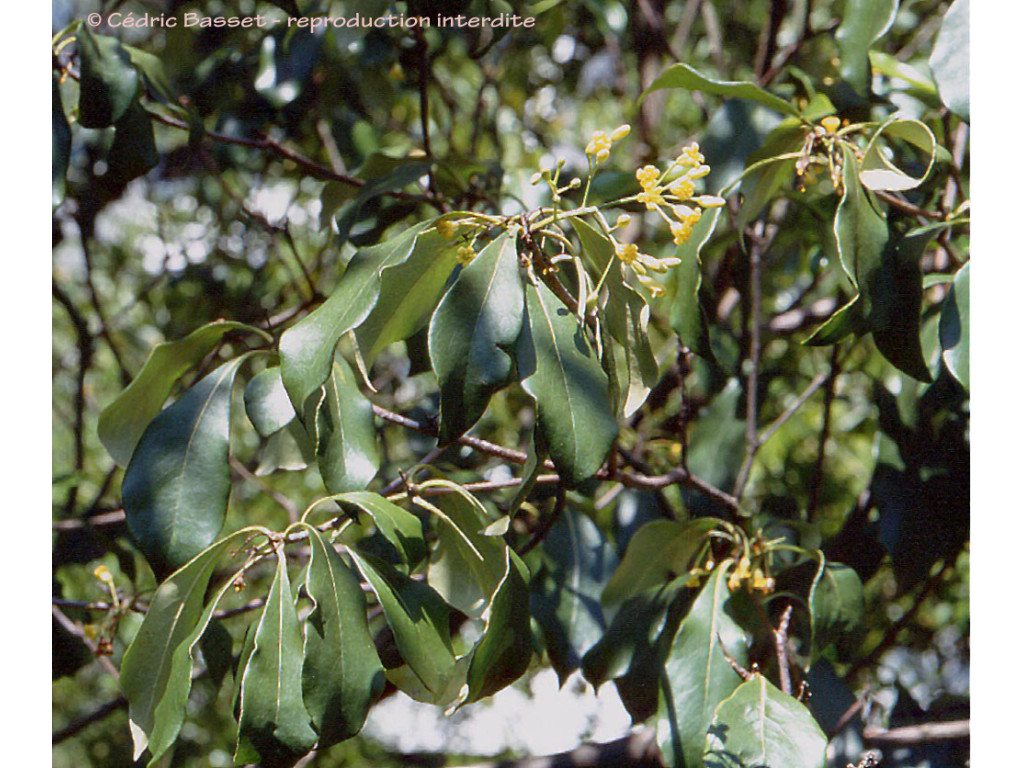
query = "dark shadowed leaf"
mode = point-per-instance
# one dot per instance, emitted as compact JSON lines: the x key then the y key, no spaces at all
{"x":685,"y":76}
{"x":837,"y":603}
{"x":563,"y":375}
{"x":122,"y":422}
{"x":133,"y":151}
{"x":697,"y":675}
{"x":950,"y":60}
{"x":109,"y":82}
{"x":175,"y":490}
{"x":955,"y":327}
{"x":576,"y":560}
{"x":761,"y":727}
{"x":217,"y":649}
{"x":152,"y":70}
{"x":383,"y":174}
{"x":273,"y":725}
{"x":864,"y":21}
{"x":61,"y":144}
{"x":341,"y":673}
{"x":473,"y":335}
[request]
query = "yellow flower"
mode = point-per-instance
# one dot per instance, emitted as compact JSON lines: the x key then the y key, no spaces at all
{"x":651,"y":198}
{"x":709,"y":201}
{"x":628,"y":253}
{"x":830,"y":124}
{"x":647,"y":176}
{"x":690,"y":156}
{"x":680,"y":232}
{"x":686,"y":214}
{"x":465,"y":255}
{"x":682,"y":188}
{"x":447,"y":228}
{"x":622,"y":221}
{"x":103,"y":574}
{"x":600,"y":145}
{"x":620,"y":133}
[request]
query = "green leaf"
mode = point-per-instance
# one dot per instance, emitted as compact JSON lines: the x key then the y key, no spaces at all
{"x":697,"y":675}
{"x":122,"y":422}
{"x":473,"y":335}
{"x":133,"y":151}
{"x":761,"y":727}
{"x":156,"y":668}
{"x":61,"y":144}
{"x":685,"y":76}
{"x":686,"y":314}
{"x":307,"y":348}
{"x":108,"y":81}
{"x":403,"y":529}
{"x":175,"y":490}
{"x":465,"y":578}
{"x":409,"y":293}
{"x":565,"y":598}
{"x":950,"y":61}
{"x":418,"y":617}
{"x":626,"y":315}
{"x":346,"y":439}
{"x":717,"y":443}
{"x":774,"y":171}
{"x":955,"y":327}
{"x":860,"y":229}
{"x":152,"y":70}
{"x":836,"y":602}
{"x":341,"y":673}
{"x":273,"y":724}
{"x":564,"y":377}
{"x":217,"y":649}
{"x":266,"y":402}
{"x":504,"y":650}
{"x":658,"y":552}
{"x":383,"y":175}
{"x":877,"y":171}
{"x":864,"y":21}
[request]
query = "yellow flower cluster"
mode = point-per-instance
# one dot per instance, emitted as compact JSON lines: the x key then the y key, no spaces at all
{"x":755,"y":579}
{"x":465,"y":255}
{"x":600,"y":145}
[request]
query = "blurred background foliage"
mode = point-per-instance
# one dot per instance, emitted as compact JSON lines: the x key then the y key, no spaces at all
{"x":240,"y":230}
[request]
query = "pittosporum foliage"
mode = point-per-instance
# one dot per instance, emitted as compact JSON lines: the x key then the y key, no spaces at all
{"x":662,"y":418}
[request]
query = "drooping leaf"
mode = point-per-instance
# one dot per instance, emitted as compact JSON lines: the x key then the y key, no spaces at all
{"x":950,"y":61}
{"x":878,"y":172}
{"x":864,"y":21}
{"x":266,"y":402}
{"x":274,"y":727}
{"x":61,"y":143}
{"x":403,"y":529}
{"x":419,"y":619}
{"x":133,"y":151}
{"x":697,"y":675}
{"x":383,"y":174}
{"x":122,"y":422}
{"x":563,"y":375}
{"x":156,"y":668}
{"x":687,"y":315}
{"x":836,"y":602}
{"x":465,"y":577}
{"x":346,"y":439}
{"x":175,"y":490}
{"x":658,"y":552}
{"x":685,"y":76}
{"x":473,"y":335}
{"x":955,"y":327}
{"x":761,"y":727}
{"x":565,"y":593}
{"x":152,"y":70}
{"x":502,"y":654}
{"x":341,"y":673}
{"x":307,"y":348}
{"x":409,"y":293}
{"x":288,"y":449}
{"x":860,"y":229}
{"x":108,"y":81}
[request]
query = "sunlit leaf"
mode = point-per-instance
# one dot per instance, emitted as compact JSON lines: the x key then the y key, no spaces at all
{"x":864,"y":22}
{"x":403,"y":529}
{"x":955,"y":327}
{"x":685,"y":76}
{"x":878,"y":172}
{"x":108,"y":81}
{"x":950,"y":61}
{"x":266,"y":402}
{"x":346,"y":439}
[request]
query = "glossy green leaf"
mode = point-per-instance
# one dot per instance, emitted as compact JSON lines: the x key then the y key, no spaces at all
{"x":108,"y":81}
{"x":409,"y":293}
{"x":61,"y":144}
{"x":836,"y":602}
{"x":288,"y":449}
{"x":152,"y":70}
{"x":307,"y":348}
{"x":465,"y":577}
{"x":418,"y":617}
{"x":658,"y":552}
{"x":564,"y":377}
{"x":565,"y":593}
{"x":685,"y":76}
{"x":877,"y":171}
{"x":950,"y":61}
{"x":768,"y":169}
{"x":761,"y":727}
{"x":175,"y":490}
{"x":860,"y":229}
{"x":156,"y":668}
{"x":273,"y":725}
{"x":864,"y":21}
{"x":266,"y":402}
{"x":905,"y":78}
{"x":502,"y":654}
{"x":473,"y":335}
{"x":955,"y":327}
{"x":403,"y":529}
{"x":626,"y":315}
{"x":346,"y":439}
{"x":341,"y":673}
{"x":133,"y":151}
{"x":686,"y":314}
{"x":383,"y":174}
{"x":697,"y":675}
{"x":122,"y":422}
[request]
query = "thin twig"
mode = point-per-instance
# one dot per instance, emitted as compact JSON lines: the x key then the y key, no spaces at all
{"x":781,"y":636}
{"x":826,"y":419}
{"x":75,"y":629}
{"x":80,"y":724}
